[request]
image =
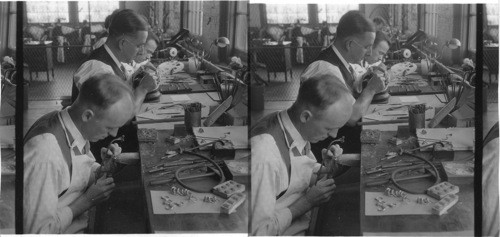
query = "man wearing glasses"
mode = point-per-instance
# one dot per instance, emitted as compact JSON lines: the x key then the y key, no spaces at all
{"x":128,"y":32}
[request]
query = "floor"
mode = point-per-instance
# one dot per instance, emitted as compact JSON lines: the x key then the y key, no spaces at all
{"x":56,"y":87}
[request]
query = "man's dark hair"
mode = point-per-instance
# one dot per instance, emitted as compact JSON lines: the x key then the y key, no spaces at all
{"x":379,"y":37}
{"x":321,"y":91}
{"x":103,"y":90}
{"x":353,"y":23}
{"x":126,"y":22}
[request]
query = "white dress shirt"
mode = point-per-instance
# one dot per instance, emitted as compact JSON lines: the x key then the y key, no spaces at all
{"x":92,"y":68}
{"x":270,"y":179}
{"x":321,"y":67}
{"x":46,"y":176}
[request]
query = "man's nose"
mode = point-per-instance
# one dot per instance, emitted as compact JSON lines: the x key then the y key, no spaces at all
{"x":333,"y":133}
{"x":113,"y":132}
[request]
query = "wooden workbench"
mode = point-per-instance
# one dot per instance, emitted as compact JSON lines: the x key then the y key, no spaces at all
{"x":150,"y":154}
{"x":458,"y":221}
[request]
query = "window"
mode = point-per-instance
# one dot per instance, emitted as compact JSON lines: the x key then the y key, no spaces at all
{"x":430,"y":19}
{"x":195,"y":17}
{"x":286,"y":14}
{"x":96,"y":11}
{"x":332,"y":13}
{"x":47,"y":12}
{"x":492,"y":14}
{"x":472,"y":28}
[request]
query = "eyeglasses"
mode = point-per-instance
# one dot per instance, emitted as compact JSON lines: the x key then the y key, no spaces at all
{"x":369,"y":47}
{"x":139,"y":47}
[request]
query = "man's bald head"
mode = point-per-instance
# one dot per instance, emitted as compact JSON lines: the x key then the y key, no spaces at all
{"x":105,"y":103}
{"x":102,"y":91}
{"x":319,"y":92}
{"x":323,"y":105}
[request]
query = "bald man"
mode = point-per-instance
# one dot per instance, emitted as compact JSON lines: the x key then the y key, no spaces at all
{"x":61,"y":177}
{"x":285,"y":185}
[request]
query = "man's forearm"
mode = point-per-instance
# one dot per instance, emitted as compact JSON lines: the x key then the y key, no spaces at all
{"x":80,"y":205}
{"x":299,"y":207}
{"x":361,"y":106}
{"x":140,"y":95}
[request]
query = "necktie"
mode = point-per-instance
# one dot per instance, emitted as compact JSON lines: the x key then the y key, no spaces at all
{"x":307,"y":149}
{"x":352,"y":71}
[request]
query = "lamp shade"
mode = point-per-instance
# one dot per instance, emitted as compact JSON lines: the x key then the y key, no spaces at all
{"x":222,"y":42}
{"x":453,"y":43}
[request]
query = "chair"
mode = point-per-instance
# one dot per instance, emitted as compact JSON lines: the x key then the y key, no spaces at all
{"x":38,"y":58}
{"x":490,"y":59}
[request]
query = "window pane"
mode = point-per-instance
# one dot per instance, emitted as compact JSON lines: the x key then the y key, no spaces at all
{"x":284,"y":14}
{"x":472,"y":28}
{"x":492,"y":14}
{"x":332,"y":13}
{"x":98,"y":11}
{"x":47,"y":12}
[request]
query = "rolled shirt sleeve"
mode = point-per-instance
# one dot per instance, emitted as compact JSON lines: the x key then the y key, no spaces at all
{"x":268,"y":181}
{"x":320,"y":67}
{"x":45,"y":176}
{"x":89,"y":69}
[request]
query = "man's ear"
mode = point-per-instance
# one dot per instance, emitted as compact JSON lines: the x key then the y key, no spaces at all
{"x":305,"y":116}
{"x":347,"y":45}
{"x":87,"y":115}
{"x":121,"y":43}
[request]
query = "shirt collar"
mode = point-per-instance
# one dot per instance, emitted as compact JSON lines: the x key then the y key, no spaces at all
{"x":117,"y":62}
{"x":71,"y":128}
{"x":346,"y":64}
{"x":298,"y":140}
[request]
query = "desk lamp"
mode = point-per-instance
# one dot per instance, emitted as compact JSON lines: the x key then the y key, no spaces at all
{"x":451,"y":44}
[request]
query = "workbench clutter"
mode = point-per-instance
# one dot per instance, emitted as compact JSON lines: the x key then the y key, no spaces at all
{"x":226,"y":198}
{"x":438,"y":200}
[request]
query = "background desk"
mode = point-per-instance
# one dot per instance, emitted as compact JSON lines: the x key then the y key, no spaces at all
{"x":459,"y":220}
{"x":199,"y":223}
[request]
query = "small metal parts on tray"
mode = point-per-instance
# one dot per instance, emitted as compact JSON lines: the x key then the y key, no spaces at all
{"x":147,"y":135}
{"x":370,"y":136}
{"x":228,"y":188}
{"x":230,"y":205}
{"x":441,"y":190}
{"x":445,"y":204}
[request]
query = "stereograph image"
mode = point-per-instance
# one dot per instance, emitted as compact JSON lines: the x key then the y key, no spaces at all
{"x":248,"y":118}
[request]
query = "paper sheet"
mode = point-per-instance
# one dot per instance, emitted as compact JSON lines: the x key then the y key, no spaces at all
{"x":382,"y":115}
{"x":238,"y":135}
{"x":7,"y":135}
{"x":462,"y":139}
{"x":410,"y":207}
{"x":198,"y":206}
{"x":214,"y":95}
{"x":408,"y":99}
{"x":178,"y":98}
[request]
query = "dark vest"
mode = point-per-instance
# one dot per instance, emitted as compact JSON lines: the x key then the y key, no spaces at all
{"x":351,"y":134}
{"x":270,"y":125}
{"x":330,"y":56}
{"x":50,"y":123}
{"x":102,"y":55}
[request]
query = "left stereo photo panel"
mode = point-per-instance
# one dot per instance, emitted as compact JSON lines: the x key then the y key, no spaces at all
{"x":9,"y":82}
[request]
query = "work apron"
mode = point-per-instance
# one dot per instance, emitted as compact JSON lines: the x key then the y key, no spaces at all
{"x":301,"y":171}
{"x":81,"y":169}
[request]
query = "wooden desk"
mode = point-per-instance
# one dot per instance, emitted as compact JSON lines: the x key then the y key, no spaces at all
{"x":459,"y":220}
{"x":175,"y":223}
